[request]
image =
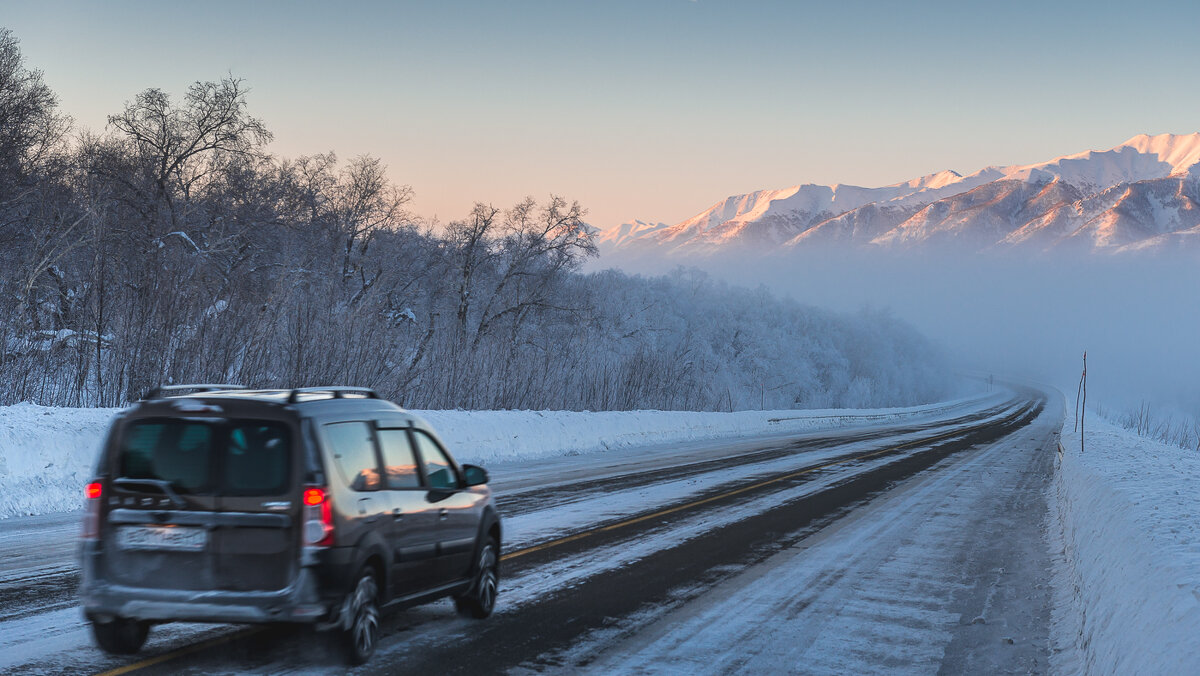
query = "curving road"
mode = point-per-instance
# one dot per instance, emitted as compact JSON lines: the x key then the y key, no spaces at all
{"x":910,"y":548}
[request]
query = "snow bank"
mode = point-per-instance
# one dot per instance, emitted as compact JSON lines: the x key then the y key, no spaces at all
{"x":46,"y":456}
{"x":489,"y":437}
{"x":46,"y":453}
{"x":1126,"y":522}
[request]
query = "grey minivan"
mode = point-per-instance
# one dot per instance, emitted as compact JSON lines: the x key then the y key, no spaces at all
{"x":313,"y":505}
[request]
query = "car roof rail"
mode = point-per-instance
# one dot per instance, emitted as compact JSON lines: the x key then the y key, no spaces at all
{"x":335,"y":392}
{"x":159,"y":390}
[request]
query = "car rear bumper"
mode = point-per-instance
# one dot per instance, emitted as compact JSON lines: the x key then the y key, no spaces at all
{"x":302,"y":601}
{"x":101,"y":602}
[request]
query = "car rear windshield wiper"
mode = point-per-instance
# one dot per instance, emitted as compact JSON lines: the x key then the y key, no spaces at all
{"x":160,"y":484}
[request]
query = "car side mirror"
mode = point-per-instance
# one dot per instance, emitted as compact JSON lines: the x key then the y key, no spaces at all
{"x":475,"y":476}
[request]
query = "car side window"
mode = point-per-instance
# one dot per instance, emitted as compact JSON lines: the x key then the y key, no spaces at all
{"x":353,"y":451}
{"x":439,"y":471}
{"x":399,"y":463}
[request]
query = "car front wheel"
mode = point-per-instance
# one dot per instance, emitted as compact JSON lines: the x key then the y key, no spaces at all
{"x":480,"y":599}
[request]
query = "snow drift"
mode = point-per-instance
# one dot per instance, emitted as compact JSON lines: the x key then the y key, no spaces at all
{"x":1124,"y":522}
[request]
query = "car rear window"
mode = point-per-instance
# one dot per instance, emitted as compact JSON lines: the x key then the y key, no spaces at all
{"x":256,"y":459}
{"x":242,"y":457}
{"x":175,"y":451}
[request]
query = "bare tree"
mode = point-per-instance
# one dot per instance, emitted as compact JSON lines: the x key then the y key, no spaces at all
{"x":366,"y":202}
{"x":30,"y":126}
{"x":540,"y":245}
{"x":470,"y":246}
{"x":182,"y":146}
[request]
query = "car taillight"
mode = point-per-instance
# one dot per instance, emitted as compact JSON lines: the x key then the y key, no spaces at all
{"x":318,"y":517}
{"x":313,"y":496}
{"x":91,"y":510}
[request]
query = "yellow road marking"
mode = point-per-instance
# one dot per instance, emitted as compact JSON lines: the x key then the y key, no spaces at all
{"x":187,"y":650}
{"x":180,"y":652}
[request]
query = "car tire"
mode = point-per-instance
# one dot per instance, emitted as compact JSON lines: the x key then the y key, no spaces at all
{"x":480,"y":599}
{"x":361,"y":632}
{"x":120,"y":636}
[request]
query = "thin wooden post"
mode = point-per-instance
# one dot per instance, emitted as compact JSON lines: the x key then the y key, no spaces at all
{"x":1081,"y":401}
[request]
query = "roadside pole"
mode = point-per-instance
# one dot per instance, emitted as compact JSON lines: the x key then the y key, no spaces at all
{"x":1081,"y":402}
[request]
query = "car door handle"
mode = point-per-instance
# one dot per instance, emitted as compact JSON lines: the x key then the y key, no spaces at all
{"x":397,"y":514}
{"x":364,"y":510}
{"x":443,"y":513}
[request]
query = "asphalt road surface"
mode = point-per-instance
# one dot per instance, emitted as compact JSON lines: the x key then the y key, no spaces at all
{"x":909,"y":548}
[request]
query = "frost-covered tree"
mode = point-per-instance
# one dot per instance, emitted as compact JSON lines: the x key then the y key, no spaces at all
{"x":171,"y":246}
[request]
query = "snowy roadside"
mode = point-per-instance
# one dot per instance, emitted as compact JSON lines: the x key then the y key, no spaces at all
{"x":1125,"y":529}
{"x":46,"y":454}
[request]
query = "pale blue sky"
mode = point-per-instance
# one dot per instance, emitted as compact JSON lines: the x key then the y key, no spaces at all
{"x":651,"y":109}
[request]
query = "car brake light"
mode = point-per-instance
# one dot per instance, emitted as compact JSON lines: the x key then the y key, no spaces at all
{"x":318,"y":517}
{"x":91,"y":510}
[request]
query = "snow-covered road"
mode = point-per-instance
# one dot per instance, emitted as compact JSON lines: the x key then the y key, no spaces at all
{"x":893,"y":530}
{"x":947,"y":572}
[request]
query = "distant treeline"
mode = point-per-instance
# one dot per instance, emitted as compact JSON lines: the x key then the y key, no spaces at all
{"x":173,"y":247}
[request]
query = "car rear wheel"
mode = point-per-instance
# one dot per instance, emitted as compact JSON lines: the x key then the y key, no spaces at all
{"x":361,"y":632}
{"x":480,"y":599}
{"x":120,"y":636}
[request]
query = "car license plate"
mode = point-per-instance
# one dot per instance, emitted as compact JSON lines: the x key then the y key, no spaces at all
{"x":176,"y":538}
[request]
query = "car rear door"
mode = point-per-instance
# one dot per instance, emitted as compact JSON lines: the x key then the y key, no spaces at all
{"x":256,"y":532}
{"x":359,"y":501}
{"x":163,"y":501}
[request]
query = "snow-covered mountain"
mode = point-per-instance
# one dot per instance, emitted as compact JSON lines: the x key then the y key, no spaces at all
{"x":1142,"y":195}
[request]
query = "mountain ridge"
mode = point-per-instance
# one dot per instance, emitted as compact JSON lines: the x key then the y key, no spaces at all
{"x":1135,"y":196}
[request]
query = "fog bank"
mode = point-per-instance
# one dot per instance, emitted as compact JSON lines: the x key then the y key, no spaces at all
{"x":1138,"y":318}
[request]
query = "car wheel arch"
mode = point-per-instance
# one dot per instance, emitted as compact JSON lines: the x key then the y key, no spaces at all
{"x":490,"y":525}
{"x":373,"y":554}
{"x":489,"y":528}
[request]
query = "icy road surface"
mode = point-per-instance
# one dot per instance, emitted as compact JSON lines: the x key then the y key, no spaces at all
{"x":909,"y":547}
{"x":947,"y":572}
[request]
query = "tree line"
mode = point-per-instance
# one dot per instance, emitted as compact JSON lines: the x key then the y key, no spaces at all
{"x":172,"y":246}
